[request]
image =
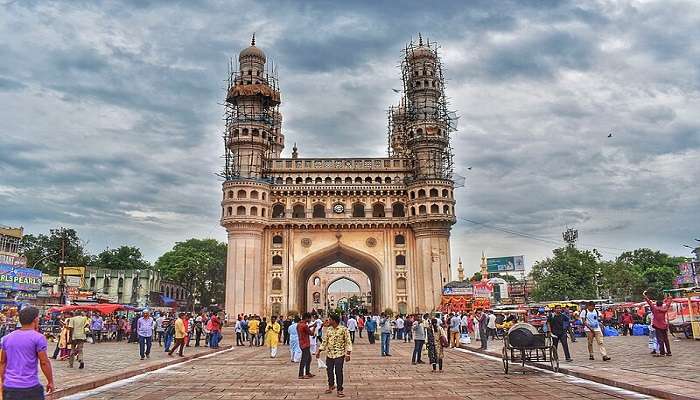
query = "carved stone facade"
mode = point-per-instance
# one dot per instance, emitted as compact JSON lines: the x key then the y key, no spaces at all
{"x":319,"y":283}
{"x":287,"y":218}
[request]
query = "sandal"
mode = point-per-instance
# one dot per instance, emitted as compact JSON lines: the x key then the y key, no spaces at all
{"x":341,"y":394}
{"x":330,"y":390}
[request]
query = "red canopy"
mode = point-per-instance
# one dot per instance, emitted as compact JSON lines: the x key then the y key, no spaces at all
{"x":104,"y":308}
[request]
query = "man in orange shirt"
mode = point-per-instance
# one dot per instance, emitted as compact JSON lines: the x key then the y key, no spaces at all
{"x":180,"y":333}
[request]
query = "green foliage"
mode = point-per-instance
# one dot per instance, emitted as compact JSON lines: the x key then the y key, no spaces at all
{"x":199,"y":265}
{"x":570,"y":274}
{"x":476,"y":277}
{"x":389,"y":312}
{"x":657,"y":269}
{"x":354,"y":302}
{"x":124,"y":257}
{"x":44,"y":251}
{"x":621,"y":281}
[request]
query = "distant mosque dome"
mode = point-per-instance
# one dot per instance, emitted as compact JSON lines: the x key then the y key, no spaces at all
{"x":253,"y":52}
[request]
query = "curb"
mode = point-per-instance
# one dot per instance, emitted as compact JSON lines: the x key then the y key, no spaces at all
{"x":101,"y":381}
{"x":598,"y":379}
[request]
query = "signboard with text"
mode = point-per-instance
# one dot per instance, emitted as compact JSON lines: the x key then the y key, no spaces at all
{"x":505,"y":264}
{"x":25,"y":279}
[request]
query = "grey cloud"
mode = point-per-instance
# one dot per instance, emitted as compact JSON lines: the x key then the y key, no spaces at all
{"x":7,"y":85}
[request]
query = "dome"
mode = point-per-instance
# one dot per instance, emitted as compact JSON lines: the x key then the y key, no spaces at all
{"x":253,"y":51}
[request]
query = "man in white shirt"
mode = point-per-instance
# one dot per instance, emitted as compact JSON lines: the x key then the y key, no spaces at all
{"x":463,"y":324}
{"x":160,"y":329}
{"x":352,"y":327}
{"x":492,"y":324}
{"x":399,"y":323}
{"x":317,"y":336}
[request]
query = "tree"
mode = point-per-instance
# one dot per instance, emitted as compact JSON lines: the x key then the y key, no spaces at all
{"x":657,"y":269}
{"x":622,"y":281}
{"x":477,"y":277}
{"x":44,"y":251}
{"x":124,"y":257}
{"x":570,"y":274}
{"x":198,"y":265}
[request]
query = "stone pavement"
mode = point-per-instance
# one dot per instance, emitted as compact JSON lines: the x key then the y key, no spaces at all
{"x":103,"y":360}
{"x":249,"y":373}
{"x":632,"y":366}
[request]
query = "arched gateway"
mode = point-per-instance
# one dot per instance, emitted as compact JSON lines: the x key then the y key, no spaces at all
{"x":287,"y":218}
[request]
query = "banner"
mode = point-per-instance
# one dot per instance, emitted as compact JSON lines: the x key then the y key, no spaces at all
{"x":505,"y":264}
{"x":457,"y":291}
{"x":26,"y":279}
{"x":482,"y":289}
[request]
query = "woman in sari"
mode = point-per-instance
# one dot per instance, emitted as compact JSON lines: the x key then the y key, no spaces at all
{"x":436,"y":341}
{"x":294,"y":349}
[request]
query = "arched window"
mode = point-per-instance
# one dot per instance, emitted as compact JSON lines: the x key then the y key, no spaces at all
{"x":399,"y":239}
{"x":319,"y":180}
{"x":263,"y":196}
{"x":230,"y":194}
{"x":279,"y":180}
{"x":397,"y":210}
{"x":445,"y":193}
{"x":422,"y":210}
{"x":413,"y":195}
{"x":289,"y":180}
{"x":387,"y":179}
{"x":401,"y":259}
{"x":92,"y":283}
{"x":240,"y":210}
{"x":298,"y":211}
{"x":254,"y":211}
{"x":309,"y":180}
{"x":277,"y":260}
{"x":319,"y":211}
{"x":245,"y":132}
{"x":435,"y":209}
{"x":413,"y":211}
{"x":241,"y":194}
{"x":106,"y":285}
{"x":419,"y":131}
{"x":299,"y":180}
{"x":328,"y":180}
{"x":317,"y":281}
{"x":446,"y":209}
{"x":262,"y":212}
{"x":433,"y":192}
{"x":338,"y":180}
{"x":378,"y":179}
{"x":358,"y":210}
{"x":278,"y":211}
{"x":254,"y":194}
{"x":421,"y":193}
{"x":378,"y":210}
{"x":229,"y":211}
{"x":401,"y":284}
{"x":277,"y":239}
{"x":256,"y":132}
{"x":358,"y":180}
{"x":368,"y":179}
{"x":276,"y":284}
{"x":348,"y":180}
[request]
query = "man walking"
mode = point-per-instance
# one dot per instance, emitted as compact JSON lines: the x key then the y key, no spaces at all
{"x":591,"y":325}
{"x":419,"y":339}
{"x":76,"y":327}
{"x":385,"y":326}
{"x":253,"y":326}
{"x":304,"y":333}
{"x":455,"y":321}
{"x":144,"y":328}
{"x":215,"y":324}
{"x":483,"y":329}
{"x":21,"y":350}
{"x":557,"y":326}
{"x":399,"y":323}
{"x":371,"y":326}
{"x":160,"y":329}
{"x":338,"y":346}
{"x":180,"y":333}
{"x":352,"y":327}
{"x":627,"y":321}
{"x":96,"y":324}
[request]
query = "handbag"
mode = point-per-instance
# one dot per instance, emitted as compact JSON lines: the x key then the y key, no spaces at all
{"x":444,"y":342}
{"x":321,"y":364}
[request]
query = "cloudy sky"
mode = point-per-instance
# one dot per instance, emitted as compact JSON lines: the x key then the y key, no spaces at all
{"x":111,"y":116}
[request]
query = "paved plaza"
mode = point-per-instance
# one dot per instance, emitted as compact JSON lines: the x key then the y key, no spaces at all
{"x":632,"y":364}
{"x":249,"y":373}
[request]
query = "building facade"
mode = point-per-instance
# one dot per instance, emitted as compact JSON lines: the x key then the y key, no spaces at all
{"x":287,"y":218}
{"x":10,"y":241}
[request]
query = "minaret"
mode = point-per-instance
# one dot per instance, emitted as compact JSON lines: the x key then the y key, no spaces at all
{"x":420,"y":131}
{"x":460,"y":270}
{"x":484,"y":268}
{"x":252,"y":138}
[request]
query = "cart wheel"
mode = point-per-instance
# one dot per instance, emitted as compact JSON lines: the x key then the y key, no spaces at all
{"x":554,"y":359}
{"x":522,"y":356}
{"x":505,"y":359}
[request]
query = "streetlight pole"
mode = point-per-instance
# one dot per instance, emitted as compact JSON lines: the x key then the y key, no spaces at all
{"x":62,"y":264}
{"x":696,"y":251}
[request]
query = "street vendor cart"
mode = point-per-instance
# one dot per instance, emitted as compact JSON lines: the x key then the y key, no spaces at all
{"x":524,"y":343}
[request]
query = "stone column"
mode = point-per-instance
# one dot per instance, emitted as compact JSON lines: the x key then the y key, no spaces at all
{"x":245,"y":275}
{"x":433,"y":250}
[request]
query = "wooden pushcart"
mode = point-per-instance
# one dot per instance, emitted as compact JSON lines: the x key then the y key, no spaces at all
{"x":524,"y":343}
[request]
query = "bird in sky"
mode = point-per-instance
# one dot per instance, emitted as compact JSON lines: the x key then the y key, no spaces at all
{"x":469,"y":168}
{"x":610,"y":134}
{"x":396,"y":90}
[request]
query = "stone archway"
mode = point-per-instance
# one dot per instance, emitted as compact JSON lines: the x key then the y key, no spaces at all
{"x":349,"y":256}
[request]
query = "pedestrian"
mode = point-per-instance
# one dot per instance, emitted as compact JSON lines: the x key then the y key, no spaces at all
{"x":371,"y":326}
{"x":272,"y":336}
{"x":491,"y":325}
{"x":199,"y":328}
{"x":436,"y":342}
{"x":455,"y":322}
{"x":627,"y":321}
{"x":593,"y":328}
{"x":418,"y":329}
{"x":77,"y":326}
{"x":253,"y":326}
{"x":22,"y":350}
{"x":408,"y":328}
{"x":352,"y":327}
{"x":659,"y":323}
{"x":180,"y":333}
{"x":304,"y":337}
{"x":244,"y":327}
{"x":652,"y":342}
{"x":360,"y":325}
{"x":318,"y":333}
{"x":385,"y":327}
{"x":338,"y":346}
{"x":557,"y":323}
{"x":188,"y":328}
{"x":121,"y":327}
{"x":96,"y":325}
{"x":294,"y":347}
{"x":215,"y":331}
{"x":285,"y":329}
{"x":262,"y":329}
{"x":160,"y":329}
{"x":239,"y":331}
{"x":144,"y":328}
{"x":168,"y":332}
{"x":483,"y":318}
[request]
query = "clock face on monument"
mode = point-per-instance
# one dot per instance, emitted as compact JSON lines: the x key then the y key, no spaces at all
{"x":338,"y":208}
